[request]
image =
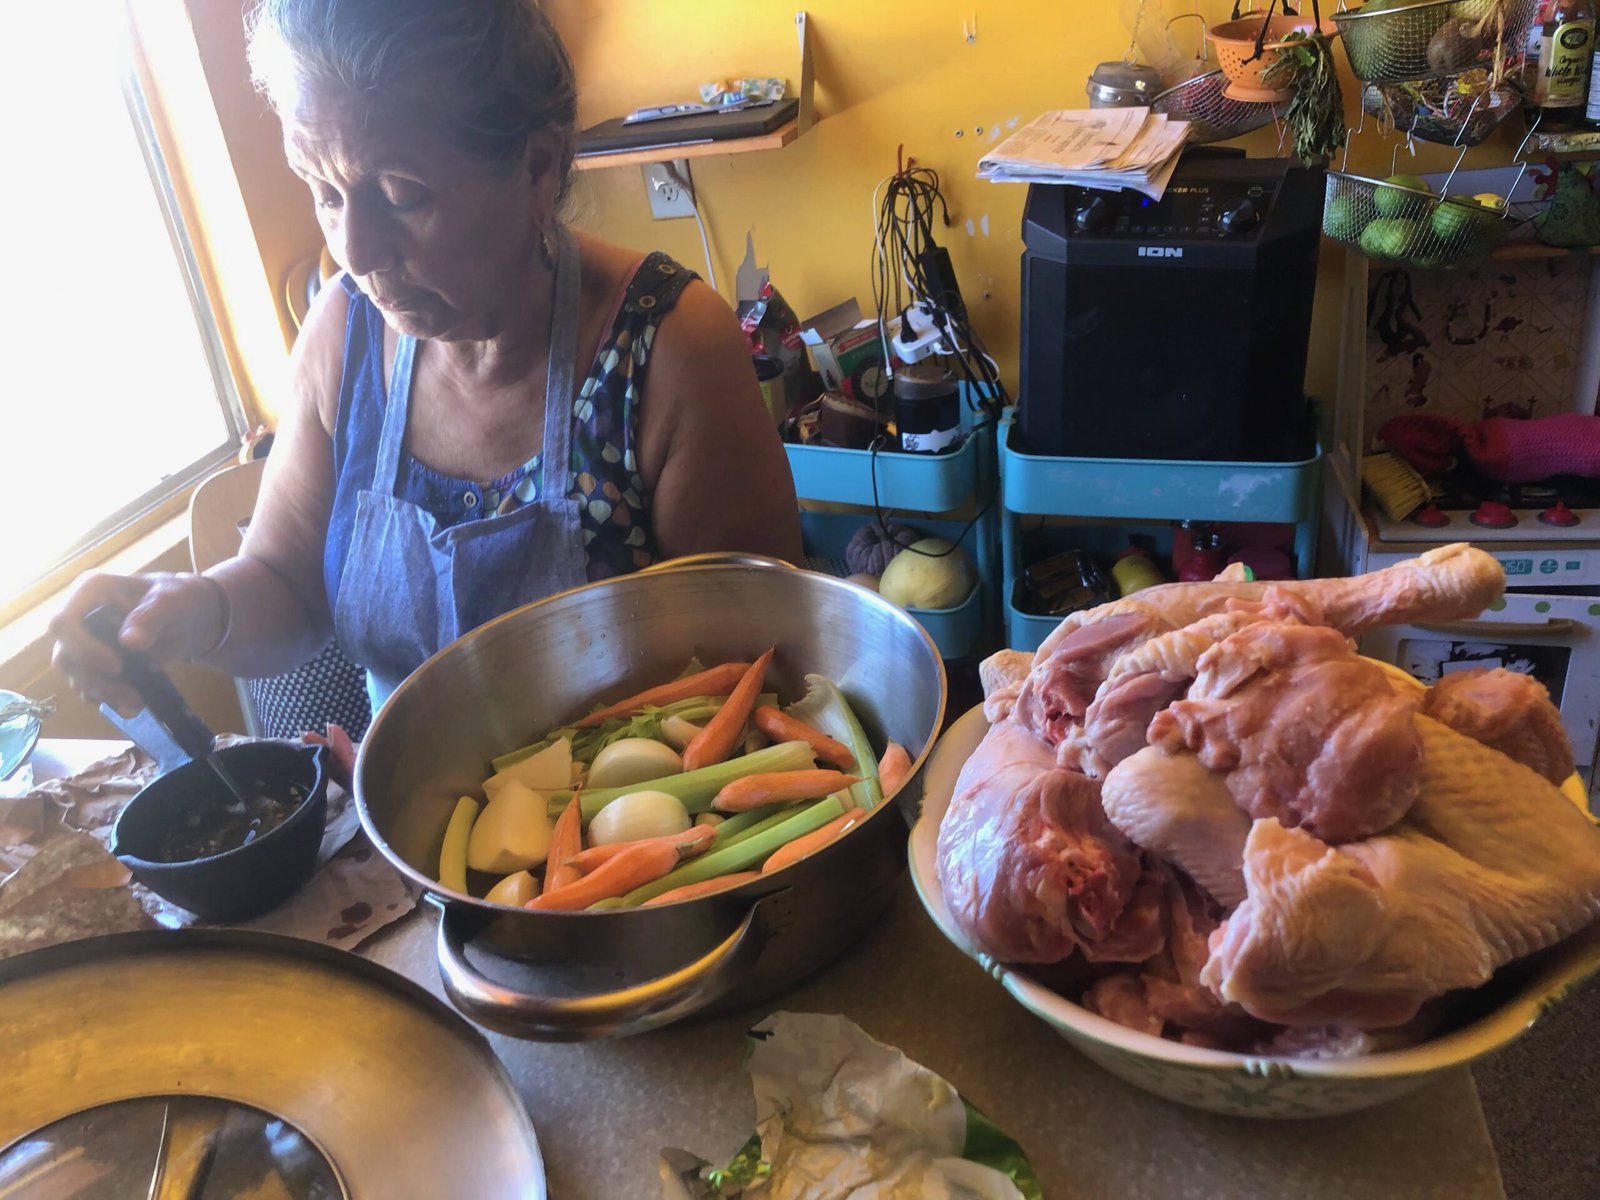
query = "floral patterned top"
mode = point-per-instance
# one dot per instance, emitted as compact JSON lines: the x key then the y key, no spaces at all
{"x":605,"y":475}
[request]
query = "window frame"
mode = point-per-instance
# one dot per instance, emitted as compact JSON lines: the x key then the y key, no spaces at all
{"x":169,"y":497}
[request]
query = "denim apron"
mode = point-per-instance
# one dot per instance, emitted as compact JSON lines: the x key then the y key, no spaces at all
{"x":410,"y":588}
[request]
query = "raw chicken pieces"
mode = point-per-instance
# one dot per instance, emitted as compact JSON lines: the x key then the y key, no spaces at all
{"x":1508,"y":712}
{"x":1306,"y":730}
{"x":1492,"y":863}
{"x":1029,"y":865}
{"x":1255,"y":838}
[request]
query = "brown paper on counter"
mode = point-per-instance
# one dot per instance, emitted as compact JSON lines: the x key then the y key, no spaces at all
{"x":59,"y":881}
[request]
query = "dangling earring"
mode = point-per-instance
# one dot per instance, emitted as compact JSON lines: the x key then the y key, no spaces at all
{"x":546,"y":253}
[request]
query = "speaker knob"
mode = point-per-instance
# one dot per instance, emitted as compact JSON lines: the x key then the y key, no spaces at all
{"x":1092,"y":215}
{"x":1239,"y":217}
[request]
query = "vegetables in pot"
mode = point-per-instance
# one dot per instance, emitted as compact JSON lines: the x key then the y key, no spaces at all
{"x":638,"y":815}
{"x":633,"y":760}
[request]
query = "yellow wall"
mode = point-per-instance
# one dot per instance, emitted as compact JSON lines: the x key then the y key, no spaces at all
{"x":889,"y":73}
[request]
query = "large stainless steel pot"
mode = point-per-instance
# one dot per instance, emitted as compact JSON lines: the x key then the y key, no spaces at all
{"x":572,"y":976}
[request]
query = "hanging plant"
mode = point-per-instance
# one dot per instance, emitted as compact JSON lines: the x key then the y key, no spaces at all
{"x":1315,"y":116}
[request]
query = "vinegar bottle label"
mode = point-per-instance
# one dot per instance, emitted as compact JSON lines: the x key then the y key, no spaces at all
{"x":1565,"y":54}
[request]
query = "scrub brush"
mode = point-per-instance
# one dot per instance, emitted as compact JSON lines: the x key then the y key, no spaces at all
{"x":1394,"y":484}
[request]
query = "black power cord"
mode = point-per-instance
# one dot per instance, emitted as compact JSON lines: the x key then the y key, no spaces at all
{"x":910,"y":268}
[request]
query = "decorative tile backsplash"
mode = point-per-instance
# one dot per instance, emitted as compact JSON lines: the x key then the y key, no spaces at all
{"x":1500,"y":339}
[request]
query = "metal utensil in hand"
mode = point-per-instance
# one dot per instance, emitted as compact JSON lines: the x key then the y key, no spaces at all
{"x":162,"y":700}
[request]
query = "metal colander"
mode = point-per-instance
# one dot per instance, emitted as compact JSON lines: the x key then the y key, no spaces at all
{"x":1441,"y":37}
{"x":1407,"y":226}
{"x":1212,"y":116}
{"x":1456,"y":110}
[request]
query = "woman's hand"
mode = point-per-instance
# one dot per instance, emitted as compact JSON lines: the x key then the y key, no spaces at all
{"x":168,"y":617}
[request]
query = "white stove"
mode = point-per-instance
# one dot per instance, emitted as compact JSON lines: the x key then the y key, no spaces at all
{"x":1540,"y":539}
{"x":1547,"y":625}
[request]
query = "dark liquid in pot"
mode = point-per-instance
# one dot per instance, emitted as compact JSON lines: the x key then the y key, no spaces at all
{"x":215,"y":821}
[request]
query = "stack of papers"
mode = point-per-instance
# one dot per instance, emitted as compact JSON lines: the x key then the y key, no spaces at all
{"x":1105,"y":148}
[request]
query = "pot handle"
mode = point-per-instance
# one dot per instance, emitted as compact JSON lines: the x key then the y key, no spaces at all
{"x":634,"y":1009}
{"x":715,"y":558}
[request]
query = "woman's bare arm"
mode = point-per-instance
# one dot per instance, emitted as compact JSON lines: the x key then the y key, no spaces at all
{"x":713,"y":463}
{"x":280,"y":613}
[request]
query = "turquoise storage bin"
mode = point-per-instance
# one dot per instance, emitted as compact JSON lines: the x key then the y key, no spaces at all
{"x":958,"y":632}
{"x":923,"y":482}
{"x":1131,"y":488}
{"x":919,"y":482}
{"x":1024,"y":631}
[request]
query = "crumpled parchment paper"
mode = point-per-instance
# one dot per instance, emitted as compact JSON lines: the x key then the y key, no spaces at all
{"x":59,"y":881}
{"x":839,"y":1114}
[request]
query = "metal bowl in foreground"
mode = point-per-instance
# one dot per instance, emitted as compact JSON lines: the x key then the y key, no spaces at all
{"x":1241,"y":1084}
{"x":570,"y":976}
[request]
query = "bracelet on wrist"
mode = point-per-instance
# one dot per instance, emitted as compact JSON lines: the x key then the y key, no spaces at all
{"x":227,"y":617}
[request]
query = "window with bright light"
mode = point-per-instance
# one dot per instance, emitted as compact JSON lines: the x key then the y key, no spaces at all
{"x":115,"y":394}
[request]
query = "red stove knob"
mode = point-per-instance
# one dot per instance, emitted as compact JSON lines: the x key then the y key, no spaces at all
{"x":1491,"y":514}
{"x":1559,"y":514}
{"x":1431,"y":517}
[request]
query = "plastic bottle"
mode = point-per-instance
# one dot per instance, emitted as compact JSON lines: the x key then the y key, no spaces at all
{"x":1198,"y":552}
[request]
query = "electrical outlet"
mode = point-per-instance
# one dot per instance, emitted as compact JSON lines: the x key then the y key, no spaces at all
{"x":670,"y":187}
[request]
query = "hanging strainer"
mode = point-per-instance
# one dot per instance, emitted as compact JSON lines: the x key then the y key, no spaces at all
{"x":1199,"y":99}
{"x":1457,"y":110}
{"x":1212,"y":116}
{"x":1410,"y":226}
{"x":1440,"y":37}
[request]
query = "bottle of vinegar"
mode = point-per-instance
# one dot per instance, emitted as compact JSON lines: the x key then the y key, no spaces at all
{"x":1566,"y":52}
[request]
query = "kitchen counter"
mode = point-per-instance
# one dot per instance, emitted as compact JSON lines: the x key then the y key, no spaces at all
{"x":602,"y":1110}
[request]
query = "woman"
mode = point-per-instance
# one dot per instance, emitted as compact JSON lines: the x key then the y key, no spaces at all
{"x":487,"y":407}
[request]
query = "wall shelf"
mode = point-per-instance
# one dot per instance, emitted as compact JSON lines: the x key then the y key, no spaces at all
{"x":778,"y":138}
{"x":1539,"y":250}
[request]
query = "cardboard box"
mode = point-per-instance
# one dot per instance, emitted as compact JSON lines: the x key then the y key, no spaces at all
{"x":847,"y":352}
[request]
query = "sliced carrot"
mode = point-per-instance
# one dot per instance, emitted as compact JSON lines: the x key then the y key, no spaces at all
{"x":722,"y":732}
{"x":794,"y":851}
{"x":633,"y":868}
{"x":566,"y":842}
{"x":689,"y":843}
{"x":718,"y":681}
{"x":894,"y":768}
{"x":707,"y":887}
{"x":781,"y":727}
{"x":779,"y":787}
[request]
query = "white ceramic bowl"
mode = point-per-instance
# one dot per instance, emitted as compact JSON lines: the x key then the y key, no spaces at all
{"x":1240,"y":1084}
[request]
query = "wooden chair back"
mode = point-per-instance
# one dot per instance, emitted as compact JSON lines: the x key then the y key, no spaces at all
{"x":219,"y":511}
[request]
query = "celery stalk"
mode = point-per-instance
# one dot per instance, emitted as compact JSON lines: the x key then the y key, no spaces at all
{"x":825,"y":708}
{"x":586,"y":743}
{"x":733,"y":829}
{"x":745,"y":854}
{"x":696,"y":789}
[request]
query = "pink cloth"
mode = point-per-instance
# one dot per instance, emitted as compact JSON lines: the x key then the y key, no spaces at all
{"x":1514,"y":451}
{"x":1507,"y":449}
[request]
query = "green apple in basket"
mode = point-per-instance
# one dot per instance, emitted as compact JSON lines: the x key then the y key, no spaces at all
{"x":1392,"y":202}
{"x":1390,"y":237}
{"x":1342,"y":219}
{"x":1461,"y":221}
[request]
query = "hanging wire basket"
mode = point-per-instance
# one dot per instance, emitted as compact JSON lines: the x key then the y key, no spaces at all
{"x":1455,"y":110}
{"x":1433,"y":39}
{"x":1213,"y":116}
{"x":1409,"y":226}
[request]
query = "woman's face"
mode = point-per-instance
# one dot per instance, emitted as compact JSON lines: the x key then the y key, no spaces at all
{"x":443,"y":243}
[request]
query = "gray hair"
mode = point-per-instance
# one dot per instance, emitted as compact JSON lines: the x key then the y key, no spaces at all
{"x":492,"y":72}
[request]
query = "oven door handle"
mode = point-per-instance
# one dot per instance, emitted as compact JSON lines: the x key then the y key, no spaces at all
{"x":1500,"y":631}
